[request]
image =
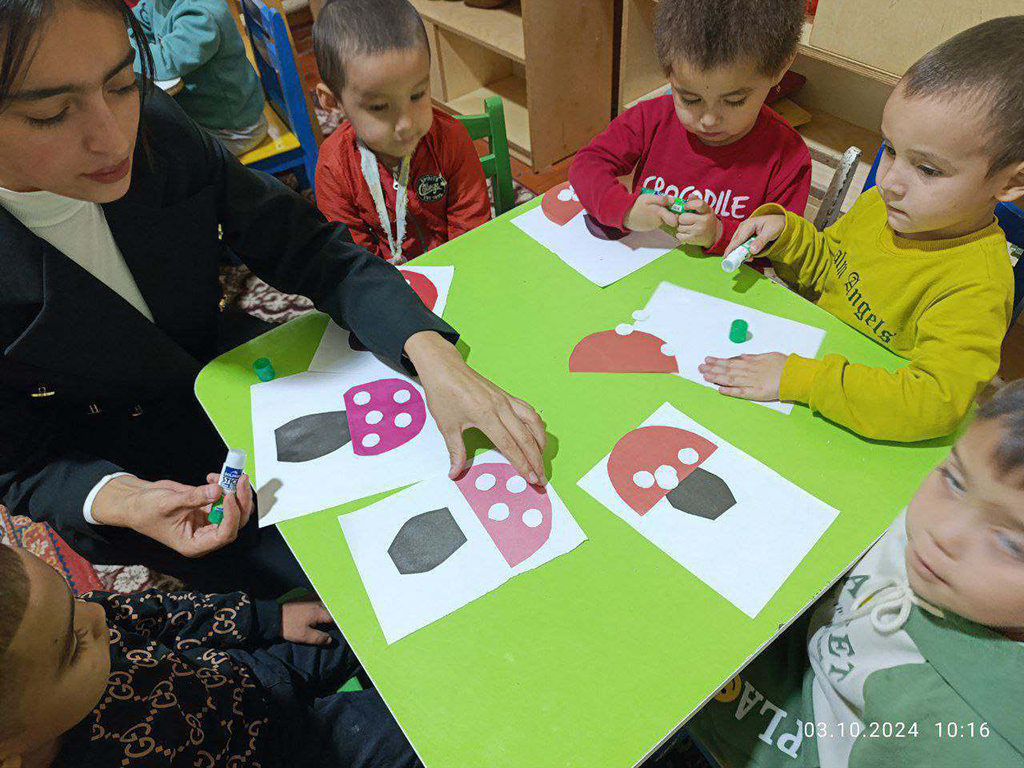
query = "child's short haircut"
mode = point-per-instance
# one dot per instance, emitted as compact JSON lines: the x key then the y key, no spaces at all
{"x":984,"y":63}
{"x":349,"y":28}
{"x":710,"y":33}
{"x":14,"y":590}
{"x":1007,"y":406}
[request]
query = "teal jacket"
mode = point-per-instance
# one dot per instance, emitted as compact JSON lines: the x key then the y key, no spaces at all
{"x":197,"y":40}
{"x":961,"y":706}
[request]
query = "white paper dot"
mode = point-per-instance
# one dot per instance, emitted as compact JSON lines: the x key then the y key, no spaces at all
{"x":643,"y":479}
{"x":371,"y":440}
{"x":640,"y":315}
{"x":532,"y":518}
{"x":667,"y":351}
{"x":565,"y":195}
{"x":403,"y":420}
{"x":485,"y":482}
{"x":498,"y":512}
{"x":688,"y":456}
{"x":374,"y":417}
{"x":623,"y":329}
{"x":402,"y":396}
{"x":361,"y":398}
{"x":666,"y":477}
{"x":516,"y":484}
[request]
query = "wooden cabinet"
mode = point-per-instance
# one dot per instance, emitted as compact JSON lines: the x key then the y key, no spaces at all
{"x":886,"y":37}
{"x":550,"y":61}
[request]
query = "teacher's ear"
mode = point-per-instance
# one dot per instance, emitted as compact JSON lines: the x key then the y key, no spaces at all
{"x":328,"y":100}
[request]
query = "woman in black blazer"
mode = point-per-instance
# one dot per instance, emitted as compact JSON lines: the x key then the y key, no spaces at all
{"x":90,"y":386}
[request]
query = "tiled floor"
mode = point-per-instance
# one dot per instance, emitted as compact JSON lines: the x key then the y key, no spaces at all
{"x":301,"y":24}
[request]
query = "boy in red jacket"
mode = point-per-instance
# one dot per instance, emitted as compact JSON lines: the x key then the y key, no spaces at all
{"x":712,"y":139}
{"x":402,"y":175}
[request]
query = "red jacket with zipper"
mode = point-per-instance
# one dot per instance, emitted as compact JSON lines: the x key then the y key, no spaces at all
{"x":447,"y":189}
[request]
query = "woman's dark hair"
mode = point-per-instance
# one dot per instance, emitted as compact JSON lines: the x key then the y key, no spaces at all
{"x":21,"y":22}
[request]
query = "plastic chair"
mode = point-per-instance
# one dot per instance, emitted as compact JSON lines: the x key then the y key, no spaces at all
{"x":1011,"y":221}
{"x":497,"y":165}
{"x":291,"y":143}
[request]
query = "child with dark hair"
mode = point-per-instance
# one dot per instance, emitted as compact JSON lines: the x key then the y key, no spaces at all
{"x":177,"y":678}
{"x":401,"y":174}
{"x":916,"y":657}
{"x":197,"y":40}
{"x":919,"y":263}
{"x":712,"y":139}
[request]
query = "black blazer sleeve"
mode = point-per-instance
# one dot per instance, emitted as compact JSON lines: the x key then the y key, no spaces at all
{"x":285,"y":240}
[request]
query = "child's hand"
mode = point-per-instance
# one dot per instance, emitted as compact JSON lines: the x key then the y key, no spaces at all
{"x":767,"y":229}
{"x":650,"y":212}
{"x":298,"y":620}
{"x":699,"y":225}
{"x":752,"y":377}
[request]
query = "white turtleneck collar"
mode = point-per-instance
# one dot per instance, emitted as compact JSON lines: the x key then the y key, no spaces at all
{"x":40,"y":209}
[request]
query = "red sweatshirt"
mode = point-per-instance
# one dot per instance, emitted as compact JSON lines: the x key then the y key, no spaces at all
{"x":771,"y":164}
{"x":447,"y":189}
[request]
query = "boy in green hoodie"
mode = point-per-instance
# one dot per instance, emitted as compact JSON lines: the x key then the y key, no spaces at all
{"x":917,"y":656}
{"x":197,"y":40}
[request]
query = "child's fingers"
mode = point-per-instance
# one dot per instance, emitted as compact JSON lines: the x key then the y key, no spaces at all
{"x":744,"y":232}
{"x":311,"y":636}
{"x":696,"y":204}
{"x":322,"y":616}
{"x":667,"y":217}
{"x":746,"y":393}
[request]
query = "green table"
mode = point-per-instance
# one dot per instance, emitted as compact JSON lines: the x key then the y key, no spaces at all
{"x":592,"y":659}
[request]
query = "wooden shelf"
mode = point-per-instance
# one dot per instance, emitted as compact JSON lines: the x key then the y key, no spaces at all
{"x":499,"y":29}
{"x":805,"y":47}
{"x":512,"y":90}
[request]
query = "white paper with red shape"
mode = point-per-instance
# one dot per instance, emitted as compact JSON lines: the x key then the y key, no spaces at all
{"x":431,"y":284}
{"x":728,"y":519}
{"x":323,"y":439}
{"x":430,"y":549}
{"x":558,"y":224}
{"x":695,"y":325}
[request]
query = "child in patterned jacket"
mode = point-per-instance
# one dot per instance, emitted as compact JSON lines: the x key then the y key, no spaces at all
{"x":177,"y":678}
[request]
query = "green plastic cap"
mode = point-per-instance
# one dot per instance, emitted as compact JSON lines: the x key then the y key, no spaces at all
{"x":264,"y":370}
{"x":738,"y":331}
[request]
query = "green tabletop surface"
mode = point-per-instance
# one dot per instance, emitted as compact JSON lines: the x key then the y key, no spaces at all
{"x":594,"y":658}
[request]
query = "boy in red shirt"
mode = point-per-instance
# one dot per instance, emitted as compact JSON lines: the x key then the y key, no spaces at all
{"x":712,"y":139}
{"x":402,"y":175}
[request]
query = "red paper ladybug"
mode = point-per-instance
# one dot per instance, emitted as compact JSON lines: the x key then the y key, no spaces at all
{"x":515,"y":514}
{"x":423,"y":286}
{"x":560,"y":204}
{"x":657,"y":462}
{"x":623,"y":350}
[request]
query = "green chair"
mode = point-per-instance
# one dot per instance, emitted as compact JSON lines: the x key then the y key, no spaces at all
{"x":497,"y":166}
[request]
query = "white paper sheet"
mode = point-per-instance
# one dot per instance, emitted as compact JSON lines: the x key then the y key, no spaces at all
{"x":695,"y":326}
{"x":405,"y":602}
{"x":289,"y":489}
{"x":600,"y":261}
{"x":748,"y":552}
{"x":333,"y":353}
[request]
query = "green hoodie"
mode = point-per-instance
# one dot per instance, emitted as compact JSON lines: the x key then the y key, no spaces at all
{"x":874,"y":677}
{"x":197,"y":40}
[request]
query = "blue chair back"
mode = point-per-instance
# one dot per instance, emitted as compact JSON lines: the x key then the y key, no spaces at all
{"x":1011,"y":221}
{"x":282,"y":84}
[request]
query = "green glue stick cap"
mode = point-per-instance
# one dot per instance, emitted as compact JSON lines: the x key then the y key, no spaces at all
{"x":217,"y":513}
{"x":264,"y":370}
{"x":738,"y":331}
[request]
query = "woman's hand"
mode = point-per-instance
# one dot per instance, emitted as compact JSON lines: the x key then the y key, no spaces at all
{"x":299,"y":622}
{"x":460,"y":398}
{"x":173,"y":513}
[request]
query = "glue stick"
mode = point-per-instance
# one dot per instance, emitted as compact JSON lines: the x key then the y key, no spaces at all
{"x":233,"y":467}
{"x":737,"y":256}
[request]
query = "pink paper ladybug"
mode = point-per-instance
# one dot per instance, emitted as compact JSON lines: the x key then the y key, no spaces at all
{"x":383,"y":414}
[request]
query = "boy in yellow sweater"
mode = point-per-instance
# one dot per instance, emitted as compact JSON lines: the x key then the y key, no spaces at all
{"x":918,"y":263}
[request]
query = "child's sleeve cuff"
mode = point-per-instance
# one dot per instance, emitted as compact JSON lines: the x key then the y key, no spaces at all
{"x":267,"y":620}
{"x":797,"y":379}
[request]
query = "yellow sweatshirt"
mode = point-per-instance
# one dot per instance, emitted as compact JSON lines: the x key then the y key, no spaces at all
{"x":943,"y":305}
